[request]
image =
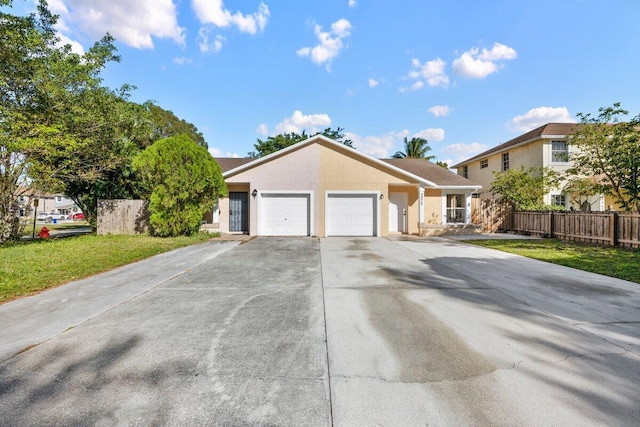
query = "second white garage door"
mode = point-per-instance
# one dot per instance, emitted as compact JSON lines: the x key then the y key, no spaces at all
{"x":351,"y":214}
{"x":284,"y":214}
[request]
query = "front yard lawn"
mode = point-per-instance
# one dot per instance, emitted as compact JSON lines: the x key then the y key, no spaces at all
{"x":29,"y":267}
{"x":620,"y":263}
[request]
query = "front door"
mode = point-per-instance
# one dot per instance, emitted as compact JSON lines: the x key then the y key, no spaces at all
{"x":397,"y":212}
{"x":239,"y":211}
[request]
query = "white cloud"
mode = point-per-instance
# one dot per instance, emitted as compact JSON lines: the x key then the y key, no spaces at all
{"x":216,"y":152}
{"x":213,"y":12}
{"x":262,"y":129}
{"x":476,"y":64}
{"x":353,"y":3}
{"x":432,"y":72}
{"x":374,"y":145}
{"x":183,"y":60}
{"x":417,"y":85}
{"x":134,"y":23}
{"x":539,"y":116}
{"x":298,"y":122}
{"x":462,"y":151}
{"x":431,"y":134}
{"x":330,"y":43}
{"x":373,"y":83}
{"x":440,"y":110}
{"x":206,"y":43}
{"x":76,"y":47}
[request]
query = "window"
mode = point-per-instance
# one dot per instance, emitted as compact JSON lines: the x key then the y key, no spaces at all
{"x":559,"y":152}
{"x":505,"y":161}
{"x":559,"y":200}
{"x":455,"y":208}
{"x":58,"y":198}
{"x":465,"y":171}
{"x":484,"y":164}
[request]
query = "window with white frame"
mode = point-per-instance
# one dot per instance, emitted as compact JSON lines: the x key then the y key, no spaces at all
{"x":455,"y":208}
{"x":505,"y":161}
{"x":559,"y":152}
{"x":559,"y":200}
{"x":484,"y":164}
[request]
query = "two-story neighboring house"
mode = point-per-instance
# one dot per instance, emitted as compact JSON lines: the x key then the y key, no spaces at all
{"x":546,"y":146}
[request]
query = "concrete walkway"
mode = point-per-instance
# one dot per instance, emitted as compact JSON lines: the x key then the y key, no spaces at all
{"x":30,"y":321}
{"x":338,"y":331}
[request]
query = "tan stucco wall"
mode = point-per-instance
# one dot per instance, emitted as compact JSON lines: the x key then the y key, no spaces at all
{"x":529,"y":155}
{"x":342,"y":171}
{"x":433,"y":206}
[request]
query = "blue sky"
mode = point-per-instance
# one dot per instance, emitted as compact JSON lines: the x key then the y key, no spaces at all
{"x":466,"y":75}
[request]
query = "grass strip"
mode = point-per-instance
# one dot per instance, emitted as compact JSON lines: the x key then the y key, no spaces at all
{"x":30,"y":267}
{"x":614,"y":262}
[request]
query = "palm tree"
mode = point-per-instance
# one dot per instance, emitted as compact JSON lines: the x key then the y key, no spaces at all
{"x":416,"y":148}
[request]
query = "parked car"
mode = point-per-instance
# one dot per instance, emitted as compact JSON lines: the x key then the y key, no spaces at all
{"x":50,"y":216}
{"x":78,"y":216}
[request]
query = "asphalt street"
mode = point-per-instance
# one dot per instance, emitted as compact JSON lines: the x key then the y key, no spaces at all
{"x":337,"y":331}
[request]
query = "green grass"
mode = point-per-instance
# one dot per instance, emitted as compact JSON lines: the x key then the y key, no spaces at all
{"x":29,"y":267}
{"x":620,"y":263}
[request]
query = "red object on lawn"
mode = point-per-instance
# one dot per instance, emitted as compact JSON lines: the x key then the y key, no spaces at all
{"x":44,"y":233}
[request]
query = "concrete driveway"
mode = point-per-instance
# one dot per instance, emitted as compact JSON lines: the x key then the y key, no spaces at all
{"x":342,"y":331}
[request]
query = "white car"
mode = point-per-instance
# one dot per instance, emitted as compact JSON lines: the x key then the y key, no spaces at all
{"x":48,"y":217}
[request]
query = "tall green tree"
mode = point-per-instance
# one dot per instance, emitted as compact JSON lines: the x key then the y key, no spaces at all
{"x":415,"y":148}
{"x":524,"y":187}
{"x":608,"y":147}
{"x":164,"y":123}
{"x":57,"y":120}
{"x":25,"y":43}
{"x":284,"y":140}
{"x":182,"y":181}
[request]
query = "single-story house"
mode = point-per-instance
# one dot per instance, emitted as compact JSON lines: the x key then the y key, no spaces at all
{"x":319,"y":187}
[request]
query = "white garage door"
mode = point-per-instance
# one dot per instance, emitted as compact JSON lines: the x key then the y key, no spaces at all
{"x":351,"y":215}
{"x":284,"y":214}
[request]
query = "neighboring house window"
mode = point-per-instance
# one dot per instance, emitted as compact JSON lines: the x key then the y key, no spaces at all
{"x":559,"y":200}
{"x":505,"y":161}
{"x":559,"y":152}
{"x":465,"y":171}
{"x":58,"y":198}
{"x":484,"y":164}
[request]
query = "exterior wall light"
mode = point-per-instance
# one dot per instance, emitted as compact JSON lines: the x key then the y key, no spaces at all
{"x":254,"y":193}
{"x":381,"y":196}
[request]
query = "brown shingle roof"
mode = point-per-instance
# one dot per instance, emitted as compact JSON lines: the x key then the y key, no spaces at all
{"x":544,"y":130}
{"x":431,"y":172}
{"x":228,"y":163}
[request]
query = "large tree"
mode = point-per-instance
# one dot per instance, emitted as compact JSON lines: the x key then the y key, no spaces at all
{"x":284,"y":140}
{"x":524,"y":187}
{"x":415,"y":148}
{"x":164,"y":123}
{"x":608,"y":147}
{"x":25,"y":44}
{"x":182,"y":182}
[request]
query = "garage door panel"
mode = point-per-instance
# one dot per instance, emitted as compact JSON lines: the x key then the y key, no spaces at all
{"x":284,"y":214}
{"x":351,"y":214}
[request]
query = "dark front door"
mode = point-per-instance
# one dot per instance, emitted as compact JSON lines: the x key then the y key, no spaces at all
{"x":238,"y":211}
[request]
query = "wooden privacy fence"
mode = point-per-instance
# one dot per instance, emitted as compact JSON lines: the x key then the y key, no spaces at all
{"x":493,"y":215}
{"x":120,"y":216}
{"x":604,"y":228}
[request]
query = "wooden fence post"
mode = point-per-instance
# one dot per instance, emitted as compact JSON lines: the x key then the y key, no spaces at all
{"x":613,"y":228}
